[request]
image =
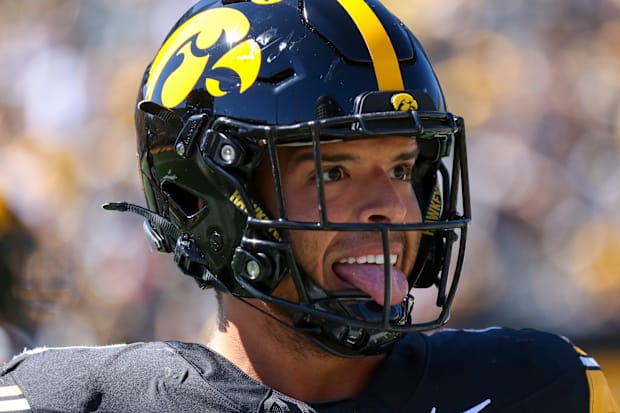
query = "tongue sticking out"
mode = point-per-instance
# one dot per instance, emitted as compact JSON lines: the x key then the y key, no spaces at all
{"x":370,"y":279}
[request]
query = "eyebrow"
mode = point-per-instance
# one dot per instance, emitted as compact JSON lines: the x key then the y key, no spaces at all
{"x":342,"y":157}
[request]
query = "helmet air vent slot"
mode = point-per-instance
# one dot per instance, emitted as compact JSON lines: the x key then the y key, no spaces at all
{"x":181,"y":199}
{"x":279,"y":77}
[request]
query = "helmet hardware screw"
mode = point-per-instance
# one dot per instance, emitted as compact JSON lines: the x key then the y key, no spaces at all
{"x":228,"y":154}
{"x":180,"y":148}
{"x":253,"y":269}
{"x":215,"y":241}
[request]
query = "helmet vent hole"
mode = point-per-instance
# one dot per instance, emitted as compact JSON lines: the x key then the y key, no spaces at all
{"x":184,"y":201}
{"x":279,"y":77}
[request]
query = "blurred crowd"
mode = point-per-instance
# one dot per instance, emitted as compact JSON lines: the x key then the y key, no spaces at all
{"x":538,"y":82}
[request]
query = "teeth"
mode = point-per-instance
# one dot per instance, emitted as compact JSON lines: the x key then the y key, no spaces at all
{"x":368,"y":259}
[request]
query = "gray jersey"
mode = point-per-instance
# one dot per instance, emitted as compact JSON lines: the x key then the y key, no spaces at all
{"x":453,"y":371}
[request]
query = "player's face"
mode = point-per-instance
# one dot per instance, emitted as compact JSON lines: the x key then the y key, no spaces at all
{"x":365,"y":181}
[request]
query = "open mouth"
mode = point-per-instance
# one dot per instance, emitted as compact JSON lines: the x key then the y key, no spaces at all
{"x":367,"y":273}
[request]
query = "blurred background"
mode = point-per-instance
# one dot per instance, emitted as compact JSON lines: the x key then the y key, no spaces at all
{"x":538,"y":82}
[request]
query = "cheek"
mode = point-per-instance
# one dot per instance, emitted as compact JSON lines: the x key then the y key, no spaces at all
{"x":412,"y":238}
{"x":413,"y":241}
{"x":410,"y":200}
{"x":302,"y":205}
{"x":413,"y":212}
{"x":309,"y":249}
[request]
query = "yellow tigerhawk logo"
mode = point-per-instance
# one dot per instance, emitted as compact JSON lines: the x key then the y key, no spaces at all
{"x":404,"y":102}
{"x":185,"y":56}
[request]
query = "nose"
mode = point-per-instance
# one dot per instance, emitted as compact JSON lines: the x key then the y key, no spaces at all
{"x":384,"y":200}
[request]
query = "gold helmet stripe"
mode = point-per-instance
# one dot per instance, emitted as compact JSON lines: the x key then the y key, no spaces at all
{"x":378,"y":42}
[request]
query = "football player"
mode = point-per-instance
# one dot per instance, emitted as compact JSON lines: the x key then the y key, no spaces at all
{"x":298,"y":157}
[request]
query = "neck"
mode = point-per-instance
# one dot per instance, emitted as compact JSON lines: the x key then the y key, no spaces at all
{"x":287,"y":360}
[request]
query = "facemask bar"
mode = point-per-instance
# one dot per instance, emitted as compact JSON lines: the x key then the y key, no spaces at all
{"x":422,"y":125}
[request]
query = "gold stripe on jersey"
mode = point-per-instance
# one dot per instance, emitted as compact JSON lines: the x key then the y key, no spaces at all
{"x":601,"y":400}
{"x":380,"y":47}
{"x":10,"y":391}
{"x":579,"y":351}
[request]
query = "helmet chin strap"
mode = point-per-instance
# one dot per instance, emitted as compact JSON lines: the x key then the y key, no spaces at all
{"x":340,"y":338}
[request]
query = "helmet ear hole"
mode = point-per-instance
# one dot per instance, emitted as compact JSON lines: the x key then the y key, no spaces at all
{"x":184,"y":201}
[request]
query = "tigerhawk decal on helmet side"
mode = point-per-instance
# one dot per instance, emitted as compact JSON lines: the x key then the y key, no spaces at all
{"x":184,"y":58}
{"x":234,"y":81}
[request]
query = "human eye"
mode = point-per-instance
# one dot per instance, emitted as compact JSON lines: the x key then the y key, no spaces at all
{"x":332,"y":174}
{"x":402,"y":172}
